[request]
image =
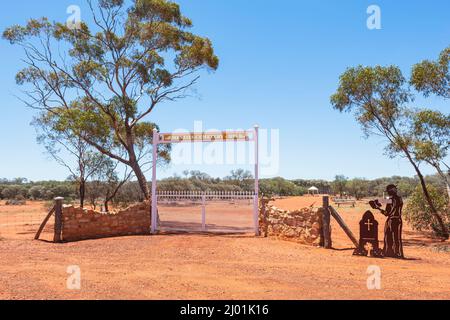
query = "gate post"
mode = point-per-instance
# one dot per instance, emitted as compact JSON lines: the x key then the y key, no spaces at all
{"x":256,"y":201}
{"x":204,"y":212}
{"x":326,"y":228}
{"x":58,"y":219}
{"x":154,"y":204}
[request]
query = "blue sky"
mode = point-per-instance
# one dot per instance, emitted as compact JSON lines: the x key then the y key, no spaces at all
{"x":280,"y":62}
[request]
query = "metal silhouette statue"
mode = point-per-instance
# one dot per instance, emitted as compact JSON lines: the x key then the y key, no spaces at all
{"x":393,"y":246}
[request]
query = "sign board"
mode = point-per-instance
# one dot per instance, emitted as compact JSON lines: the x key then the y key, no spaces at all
{"x":225,"y":136}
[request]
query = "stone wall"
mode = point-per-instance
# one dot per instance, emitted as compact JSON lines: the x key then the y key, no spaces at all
{"x":82,"y":224}
{"x":303,"y":226}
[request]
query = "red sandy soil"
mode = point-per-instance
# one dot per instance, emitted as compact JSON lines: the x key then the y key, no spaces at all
{"x":207,"y":266}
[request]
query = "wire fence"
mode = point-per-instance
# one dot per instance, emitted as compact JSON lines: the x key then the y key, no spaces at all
{"x":23,"y":221}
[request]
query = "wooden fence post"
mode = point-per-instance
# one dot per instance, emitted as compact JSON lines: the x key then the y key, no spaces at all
{"x":327,"y":243}
{"x":58,"y":219}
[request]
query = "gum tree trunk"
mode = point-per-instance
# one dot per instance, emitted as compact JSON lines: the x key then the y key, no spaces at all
{"x":82,"y":191}
{"x":434,"y":212}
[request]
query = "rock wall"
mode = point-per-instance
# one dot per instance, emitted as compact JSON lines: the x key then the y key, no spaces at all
{"x":303,"y":226}
{"x":82,"y":224}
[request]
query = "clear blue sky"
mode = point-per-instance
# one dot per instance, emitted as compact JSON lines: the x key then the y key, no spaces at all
{"x":280,"y":62}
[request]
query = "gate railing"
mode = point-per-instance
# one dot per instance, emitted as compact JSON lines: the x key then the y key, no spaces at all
{"x":209,"y":195}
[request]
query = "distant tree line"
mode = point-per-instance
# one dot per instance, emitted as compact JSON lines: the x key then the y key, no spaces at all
{"x":97,"y":190}
{"x":360,"y":188}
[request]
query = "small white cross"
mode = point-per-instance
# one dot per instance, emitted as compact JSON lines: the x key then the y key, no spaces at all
{"x":368,"y":224}
{"x":369,"y":247}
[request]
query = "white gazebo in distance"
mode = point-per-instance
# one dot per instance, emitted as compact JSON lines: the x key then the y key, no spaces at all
{"x":313,"y":191}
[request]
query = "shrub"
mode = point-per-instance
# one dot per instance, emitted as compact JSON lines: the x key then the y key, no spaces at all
{"x":12,"y":192}
{"x":36,"y":192}
{"x":20,"y":197}
{"x":418,"y":212}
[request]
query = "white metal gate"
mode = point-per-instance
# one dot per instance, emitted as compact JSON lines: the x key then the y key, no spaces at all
{"x":211,"y":211}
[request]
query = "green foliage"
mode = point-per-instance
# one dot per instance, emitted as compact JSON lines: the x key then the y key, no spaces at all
{"x":339,"y":185}
{"x":36,"y":192}
{"x":43,"y":190}
{"x":430,"y":135}
{"x":281,"y":187}
{"x":433,"y":77}
{"x":358,"y":188}
{"x":239,"y":180}
{"x":323,"y":186}
{"x":244,"y":180}
{"x":418,"y":213}
{"x":375,"y":94}
{"x":14,"y":192}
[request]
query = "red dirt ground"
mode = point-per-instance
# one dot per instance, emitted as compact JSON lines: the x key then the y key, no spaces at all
{"x":206,"y":266}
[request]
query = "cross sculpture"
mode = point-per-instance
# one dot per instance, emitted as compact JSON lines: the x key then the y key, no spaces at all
{"x":368,"y":224}
{"x":369,"y":248}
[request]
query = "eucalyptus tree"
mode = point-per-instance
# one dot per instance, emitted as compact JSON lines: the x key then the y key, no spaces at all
{"x":339,"y":185}
{"x":103,"y":81}
{"x":358,"y":187}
